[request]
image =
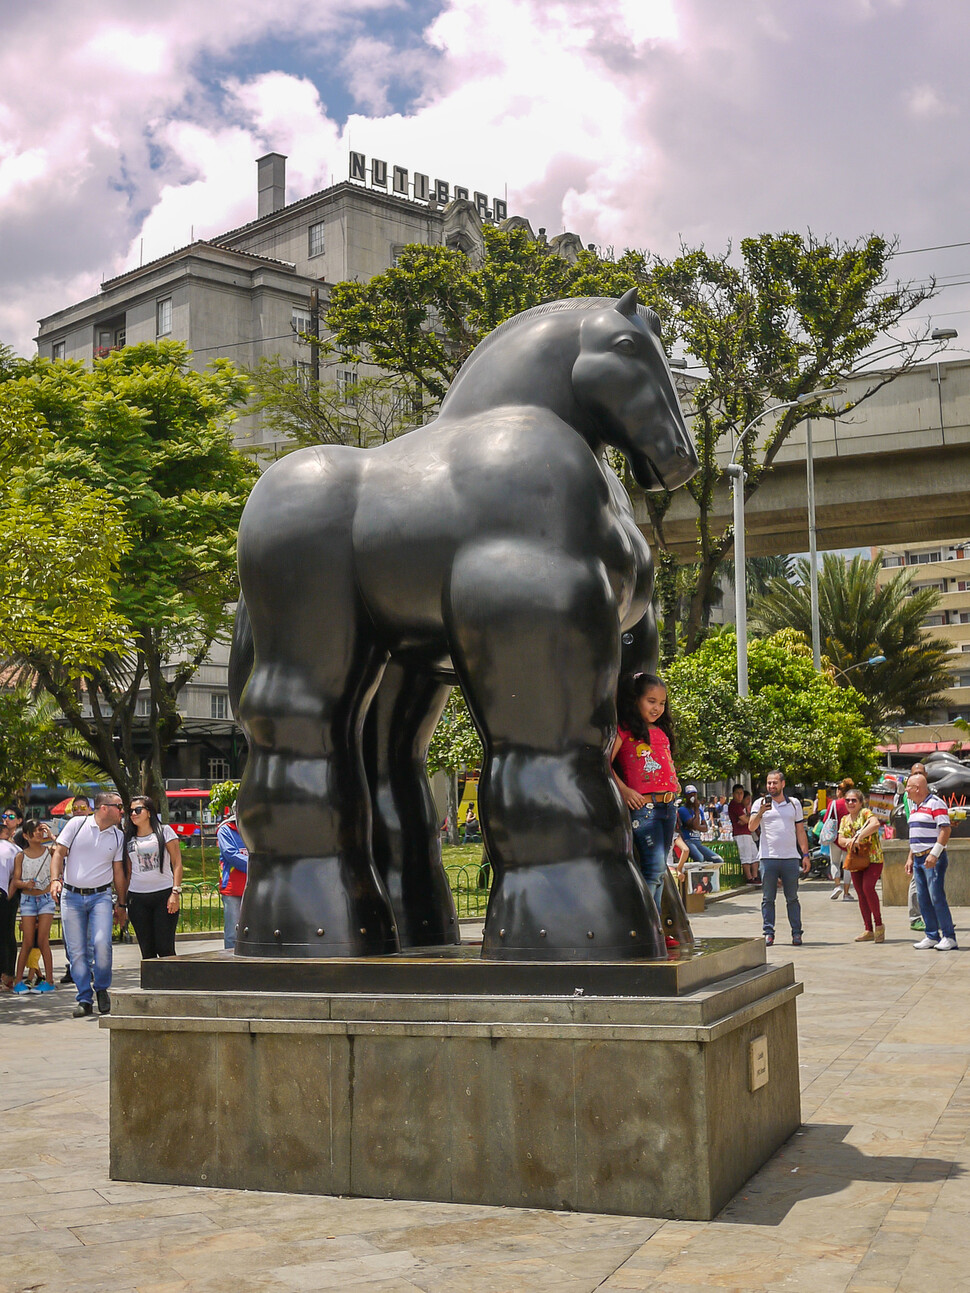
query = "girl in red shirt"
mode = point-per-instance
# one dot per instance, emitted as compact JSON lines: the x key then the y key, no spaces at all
{"x":643,"y":767}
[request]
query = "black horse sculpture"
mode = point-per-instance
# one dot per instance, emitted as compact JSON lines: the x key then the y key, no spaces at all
{"x":493,"y":546}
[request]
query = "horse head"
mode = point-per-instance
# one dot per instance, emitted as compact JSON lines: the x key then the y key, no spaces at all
{"x":622,"y":382}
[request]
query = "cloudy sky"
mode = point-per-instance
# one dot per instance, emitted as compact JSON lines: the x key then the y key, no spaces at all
{"x":124,"y":128}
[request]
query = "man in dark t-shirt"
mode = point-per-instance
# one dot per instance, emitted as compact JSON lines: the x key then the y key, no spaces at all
{"x":747,"y":849}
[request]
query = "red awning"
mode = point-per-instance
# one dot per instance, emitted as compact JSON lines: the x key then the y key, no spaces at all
{"x":917,"y":747}
{"x":186,"y":794}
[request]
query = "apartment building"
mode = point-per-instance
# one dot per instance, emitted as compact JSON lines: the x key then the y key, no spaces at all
{"x":944,"y":567}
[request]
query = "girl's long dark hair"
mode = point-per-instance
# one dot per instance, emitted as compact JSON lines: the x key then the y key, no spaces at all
{"x":155,"y":822}
{"x":632,"y":686}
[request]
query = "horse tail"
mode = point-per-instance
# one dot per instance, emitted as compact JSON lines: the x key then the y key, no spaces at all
{"x":241,"y":654}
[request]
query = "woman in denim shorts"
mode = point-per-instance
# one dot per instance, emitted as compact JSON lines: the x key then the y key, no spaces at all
{"x":32,"y":876}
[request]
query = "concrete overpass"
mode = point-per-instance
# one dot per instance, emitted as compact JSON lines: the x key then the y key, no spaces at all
{"x":888,"y":473}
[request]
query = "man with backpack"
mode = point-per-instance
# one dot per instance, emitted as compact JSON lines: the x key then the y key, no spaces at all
{"x":784,"y":843}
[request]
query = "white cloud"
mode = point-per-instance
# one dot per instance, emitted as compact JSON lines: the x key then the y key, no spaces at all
{"x":632,"y":122}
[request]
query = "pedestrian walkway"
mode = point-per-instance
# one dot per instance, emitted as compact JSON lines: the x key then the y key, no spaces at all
{"x":872,"y":1194}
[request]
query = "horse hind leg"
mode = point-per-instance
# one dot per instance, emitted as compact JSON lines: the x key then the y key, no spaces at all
{"x":304,"y":808}
{"x":407,"y":843}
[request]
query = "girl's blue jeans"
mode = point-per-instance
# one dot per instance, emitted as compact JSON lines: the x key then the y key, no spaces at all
{"x":653,"y":838}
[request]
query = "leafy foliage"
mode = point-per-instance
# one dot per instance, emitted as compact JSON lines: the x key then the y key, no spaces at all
{"x":859,"y":619}
{"x":222,"y":796}
{"x":791,"y":314}
{"x":36,"y":746}
{"x":59,"y":546}
{"x":456,"y":743}
{"x":422,"y":318}
{"x":153,"y":439}
{"x":794,"y":718}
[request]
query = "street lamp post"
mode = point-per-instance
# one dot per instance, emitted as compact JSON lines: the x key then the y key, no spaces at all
{"x":862,"y":664}
{"x":736,"y":472}
{"x":942,"y":334}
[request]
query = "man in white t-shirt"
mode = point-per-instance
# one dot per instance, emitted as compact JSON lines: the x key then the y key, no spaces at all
{"x":88,"y":854}
{"x":783,"y":842}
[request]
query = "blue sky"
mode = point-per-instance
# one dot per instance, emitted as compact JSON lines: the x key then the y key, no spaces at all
{"x":631,"y":122}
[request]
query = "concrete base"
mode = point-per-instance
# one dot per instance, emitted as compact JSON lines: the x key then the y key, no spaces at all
{"x":895,"y":881}
{"x":639,"y":1105}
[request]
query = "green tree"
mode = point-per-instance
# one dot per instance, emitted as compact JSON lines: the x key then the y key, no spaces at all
{"x":455,"y":745}
{"x":154,"y":436}
{"x":37,"y":746}
{"x":421,"y":319}
{"x":859,"y":619}
{"x":59,"y":548}
{"x":368,"y":411}
{"x":789,"y":315}
{"x":794,"y":718}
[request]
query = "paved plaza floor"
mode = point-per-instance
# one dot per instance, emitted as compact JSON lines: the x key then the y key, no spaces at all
{"x":872,"y":1194}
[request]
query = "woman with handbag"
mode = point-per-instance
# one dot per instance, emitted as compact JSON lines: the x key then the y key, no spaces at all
{"x":859,"y":836}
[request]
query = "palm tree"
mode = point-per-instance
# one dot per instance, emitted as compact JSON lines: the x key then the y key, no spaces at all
{"x":37,"y":745}
{"x":859,"y":619}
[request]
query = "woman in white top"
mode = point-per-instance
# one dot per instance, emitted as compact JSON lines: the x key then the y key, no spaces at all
{"x":32,"y":877}
{"x":153,"y":862}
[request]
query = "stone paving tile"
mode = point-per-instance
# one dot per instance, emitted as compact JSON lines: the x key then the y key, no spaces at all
{"x":871,"y":1195}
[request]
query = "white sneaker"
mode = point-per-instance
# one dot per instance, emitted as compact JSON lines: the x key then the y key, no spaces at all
{"x":847,"y":897}
{"x":835,"y":895}
{"x":947,"y":945}
{"x":925,"y":943}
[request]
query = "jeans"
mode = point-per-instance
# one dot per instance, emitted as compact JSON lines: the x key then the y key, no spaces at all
{"x":230,"y":917}
{"x":153,"y":925}
{"x":787,"y":869}
{"x":933,"y":905}
{"x":699,"y":851}
{"x":37,"y":904}
{"x":653,"y":838}
{"x":86,"y":919}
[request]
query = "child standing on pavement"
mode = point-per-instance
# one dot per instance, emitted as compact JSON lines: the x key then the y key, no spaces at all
{"x":32,"y":876}
{"x":643,"y":767}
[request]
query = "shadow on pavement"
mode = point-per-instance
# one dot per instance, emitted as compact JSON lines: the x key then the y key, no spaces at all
{"x":817,"y":1162}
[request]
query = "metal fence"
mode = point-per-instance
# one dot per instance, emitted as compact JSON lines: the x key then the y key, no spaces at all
{"x":470,"y":885}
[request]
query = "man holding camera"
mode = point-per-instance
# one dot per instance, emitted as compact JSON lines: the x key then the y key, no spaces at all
{"x":783,"y":852}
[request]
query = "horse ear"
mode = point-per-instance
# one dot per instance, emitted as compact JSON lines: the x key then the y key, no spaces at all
{"x":627,"y":304}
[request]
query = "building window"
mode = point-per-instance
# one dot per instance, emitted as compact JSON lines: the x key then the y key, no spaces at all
{"x":163,"y":317}
{"x":144,"y":708}
{"x":965,"y":617}
{"x":346,"y":384}
{"x":57,"y":350}
{"x":887,"y":562}
{"x":965,"y":648}
{"x":300,"y":320}
{"x":963,"y":585}
{"x":934,"y":621}
{"x":316,"y":238}
{"x":218,"y":769}
{"x":303,"y":373}
{"x":962,"y":680}
{"x":923,"y":558}
{"x":218,"y":705}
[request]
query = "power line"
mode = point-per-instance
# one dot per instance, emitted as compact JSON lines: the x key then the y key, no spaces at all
{"x":943,"y":246}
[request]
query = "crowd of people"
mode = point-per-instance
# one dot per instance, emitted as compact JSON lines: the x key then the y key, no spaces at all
{"x":770,"y":831}
{"x":107,"y":867}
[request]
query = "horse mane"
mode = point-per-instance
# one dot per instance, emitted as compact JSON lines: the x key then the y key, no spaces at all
{"x":557,"y":307}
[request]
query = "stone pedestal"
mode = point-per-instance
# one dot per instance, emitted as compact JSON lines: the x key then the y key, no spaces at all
{"x":895,"y":881}
{"x":658,"y":1103}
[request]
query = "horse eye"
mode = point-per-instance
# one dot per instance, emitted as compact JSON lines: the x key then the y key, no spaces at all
{"x":626,"y":345}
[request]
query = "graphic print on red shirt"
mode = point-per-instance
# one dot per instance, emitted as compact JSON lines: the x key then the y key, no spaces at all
{"x":647,"y":769}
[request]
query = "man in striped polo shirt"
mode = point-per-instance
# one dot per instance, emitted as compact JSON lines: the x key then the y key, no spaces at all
{"x":929,"y":831}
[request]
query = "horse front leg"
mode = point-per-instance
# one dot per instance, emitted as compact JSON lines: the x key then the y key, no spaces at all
{"x":407,"y":842}
{"x":536,"y":644}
